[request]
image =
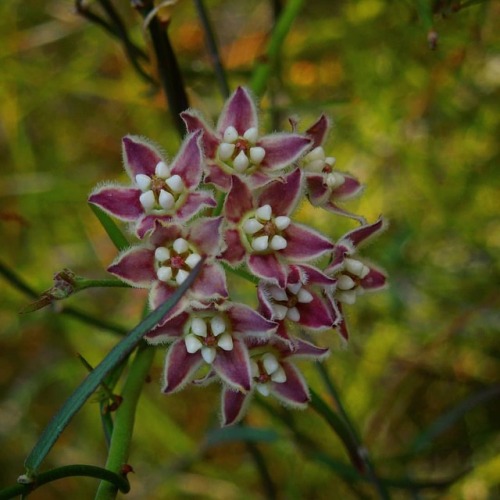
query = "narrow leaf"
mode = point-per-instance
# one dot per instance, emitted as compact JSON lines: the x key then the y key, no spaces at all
{"x":89,"y":385}
{"x":113,"y":231}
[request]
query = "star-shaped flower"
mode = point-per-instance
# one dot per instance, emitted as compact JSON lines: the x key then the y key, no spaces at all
{"x":159,"y":191}
{"x":236,"y":148}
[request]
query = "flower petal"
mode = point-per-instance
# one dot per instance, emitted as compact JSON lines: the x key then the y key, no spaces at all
{"x":235,"y":251}
{"x":210,"y":283}
{"x":215,"y":175}
{"x":169,"y":331}
{"x":268,"y":267}
{"x":315,"y":314}
{"x":206,"y":235}
{"x":246,"y":321}
{"x":189,"y":161}
{"x":234,"y":405}
{"x":119,"y":201}
{"x":140,"y":156}
{"x":374,"y":280}
{"x":282,"y":149}
{"x":309,"y":274}
{"x":307,"y":350}
{"x":318,"y":192}
{"x":318,"y":131}
{"x":239,"y":201}
{"x":304,"y":243}
{"x":363,"y":233}
{"x":195,"y":122}
{"x":239,"y":112}
{"x":159,"y":293}
{"x":294,"y":391}
{"x":135,"y":266}
{"x":335,"y":209}
{"x":194,"y":203}
{"x":349,"y":189}
{"x":180,"y":367}
{"x":283,"y":194}
{"x":233,"y":367}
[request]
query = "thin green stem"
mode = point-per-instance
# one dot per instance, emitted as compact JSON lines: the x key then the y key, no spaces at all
{"x":242,"y":274}
{"x":264,"y":69}
{"x":213,"y":50}
{"x":84,"y":283}
{"x":125,"y":418}
{"x":263,"y":469}
{"x":118,"y":481}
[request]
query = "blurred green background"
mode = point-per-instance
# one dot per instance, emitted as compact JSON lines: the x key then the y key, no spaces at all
{"x":419,"y":127}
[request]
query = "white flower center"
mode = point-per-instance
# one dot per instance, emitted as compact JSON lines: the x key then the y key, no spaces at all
{"x":348,"y":280}
{"x":264,"y":232}
{"x":207,"y":334}
{"x":286,"y":301}
{"x":266,"y":370}
{"x":241,"y":152}
{"x":161,"y":191}
{"x":173,"y":263}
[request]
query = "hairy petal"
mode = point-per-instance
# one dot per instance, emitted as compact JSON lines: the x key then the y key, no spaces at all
{"x":374,"y":280}
{"x":210,"y":283}
{"x":239,"y":112}
{"x":135,"y":266}
{"x":318,"y":131}
{"x":194,"y":203}
{"x":268,"y":267}
{"x":239,"y":201}
{"x":233,"y":367}
{"x":315,"y":314}
{"x":361,"y":234}
{"x":140,"y":156}
{"x":294,"y":391}
{"x":307,"y":350}
{"x":283,"y":194}
{"x":215,"y":175}
{"x":234,"y":406}
{"x":205,"y":234}
{"x":169,"y":331}
{"x":119,"y":201}
{"x":283,"y":149}
{"x":304,"y":243}
{"x":189,"y":161}
{"x":180,"y":367}
{"x":249,"y":322}
{"x":235,"y":251}
{"x":195,"y":122}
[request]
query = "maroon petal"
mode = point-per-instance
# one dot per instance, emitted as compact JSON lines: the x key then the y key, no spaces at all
{"x":210,"y":283}
{"x":140,"y":156}
{"x":218,"y":177}
{"x":189,"y":161}
{"x":349,"y":189}
{"x":282,"y":149}
{"x":233,"y":367}
{"x":163,"y":234}
{"x":304,"y":243}
{"x":312,"y":275}
{"x":194,"y":203}
{"x":235,"y":251}
{"x":205,"y":234}
{"x":246,"y":321}
{"x":135,"y":266}
{"x":319,"y":194}
{"x":239,"y":201}
{"x":265,"y":306}
{"x":318,"y":131}
{"x":306,"y":350}
{"x":293,"y":392}
{"x":121,"y":202}
{"x":194,"y":122}
{"x":239,"y":111}
{"x":315,"y":314}
{"x":342,"y":325}
{"x":180,"y":367}
{"x":171,"y":330}
{"x":147,"y":224}
{"x":234,"y":405}
{"x":282,"y":194}
{"x":361,"y":234}
{"x":374,"y":280}
{"x":268,"y":267}
{"x":159,"y":293}
{"x":335,"y":209}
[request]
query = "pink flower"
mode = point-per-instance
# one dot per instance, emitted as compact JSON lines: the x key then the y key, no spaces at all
{"x":236,"y":148}
{"x":215,"y":336}
{"x":273,"y":373}
{"x":298,"y":303}
{"x":326,"y":186}
{"x":158,"y":192}
{"x":166,"y":259}
{"x":354,"y":277}
{"x":261,"y":232}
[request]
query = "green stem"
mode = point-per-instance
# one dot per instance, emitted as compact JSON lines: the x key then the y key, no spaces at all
{"x":119,"y":481}
{"x":242,"y":274}
{"x":83,"y":283}
{"x":125,"y":417}
{"x":263,"y":70}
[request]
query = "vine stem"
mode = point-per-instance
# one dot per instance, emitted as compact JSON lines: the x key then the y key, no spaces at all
{"x":125,"y":418}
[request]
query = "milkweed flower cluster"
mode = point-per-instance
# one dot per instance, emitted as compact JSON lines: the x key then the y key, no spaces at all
{"x":259,"y":181}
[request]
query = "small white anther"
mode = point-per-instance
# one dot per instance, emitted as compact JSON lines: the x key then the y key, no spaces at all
{"x":263,"y":389}
{"x":241,"y":162}
{"x":330,"y":160}
{"x":347,"y":297}
{"x":278,"y":242}
{"x":293,"y":314}
{"x":199,"y":327}
{"x":193,"y":344}
{"x":166,"y":200}
{"x":279,"y":376}
{"x":270,"y":363}
{"x":218,"y":325}
{"x":282,"y":222}
{"x":175,"y":183}
{"x":225,"y":342}
{"x":162,"y":254}
{"x":181,"y":245}
{"x":164,"y":273}
{"x":254,"y":368}
{"x":251,"y":226}
{"x":318,"y":153}
{"x":334,"y":180}
{"x":147,"y":200}
{"x":143,"y":181}
{"x":161,"y":170}
{"x":261,"y":243}
{"x":257,"y":154}
{"x":251,"y":135}
{"x":226,"y":150}
{"x":345,"y":282}
{"x":181,"y":276}
{"x":192,"y":260}
{"x":304,"y":297}
{"x":230,"y":134}
{"x":279,"y":311}
{"x":364,"y":272}
{"x":208,"y":354}
{"x":278,"y":293}
{"x":294,"y":287}
{"x":315,"y":165}
{"x":264,"y":212}
{"x":354,"y":266}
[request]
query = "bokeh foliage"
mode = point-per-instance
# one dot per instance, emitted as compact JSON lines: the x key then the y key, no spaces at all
{"x":419,"y":126}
